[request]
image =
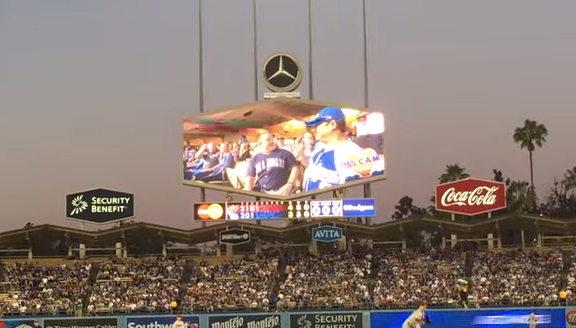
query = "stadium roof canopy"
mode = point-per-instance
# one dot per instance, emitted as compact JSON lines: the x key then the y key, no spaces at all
{"x":297,"y":233}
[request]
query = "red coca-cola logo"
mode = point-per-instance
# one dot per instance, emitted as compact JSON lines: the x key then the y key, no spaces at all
{"x":470,"y":196}
{"x":571,"y":317}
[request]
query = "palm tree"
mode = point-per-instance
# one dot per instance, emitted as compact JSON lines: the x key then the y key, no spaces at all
{"x":530,"y":136}
{"x":453,"y":173}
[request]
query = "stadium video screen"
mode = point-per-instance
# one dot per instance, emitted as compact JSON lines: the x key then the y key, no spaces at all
{"x":283,"y":149}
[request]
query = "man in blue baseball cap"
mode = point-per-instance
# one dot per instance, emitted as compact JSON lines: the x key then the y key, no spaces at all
{"x":339,"y":160}
{"x":327,"y":166}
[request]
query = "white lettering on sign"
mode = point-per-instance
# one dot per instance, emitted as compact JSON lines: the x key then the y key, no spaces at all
{"x":233,"y":236}
{"x":477,"y":197}
{"x":268,"y":322}
{"x":335,"y":321}
{"x":110,"y":204}
{"x":235,"y":322}
{"x":327,"y":234}
{"x":154,"y":324}
{"x":359,"y":208}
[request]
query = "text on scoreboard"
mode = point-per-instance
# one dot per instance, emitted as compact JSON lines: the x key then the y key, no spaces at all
{"x":274,"y":210}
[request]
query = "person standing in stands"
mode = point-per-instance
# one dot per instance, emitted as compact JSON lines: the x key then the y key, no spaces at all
{"x":271,"y":170}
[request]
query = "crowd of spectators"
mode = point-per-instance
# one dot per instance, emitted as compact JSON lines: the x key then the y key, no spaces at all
{"x":359,"y":279}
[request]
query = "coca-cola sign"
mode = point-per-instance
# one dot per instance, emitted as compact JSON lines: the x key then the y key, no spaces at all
{"x":470,"y":196}
{"x":571,"y":317}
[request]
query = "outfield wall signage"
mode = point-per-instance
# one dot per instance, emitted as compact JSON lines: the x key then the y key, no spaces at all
{"x":245,"y":321}
{"x":161,"y":322}
{"x":327,"y":320}
{"x":16,"y":323}
{"x":99,"y":322}
{"x":477,"y":318}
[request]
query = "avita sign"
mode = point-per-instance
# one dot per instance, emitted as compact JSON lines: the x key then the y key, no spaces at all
{"x":470,"y":196}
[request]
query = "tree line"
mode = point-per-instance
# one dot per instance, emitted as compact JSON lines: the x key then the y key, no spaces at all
{"x":521,"y":197}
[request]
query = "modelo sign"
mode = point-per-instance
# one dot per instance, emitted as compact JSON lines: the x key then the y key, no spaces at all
{"x":470,"y":196}
{"x":245,"y":321}
{"x":235,"y":236}
{"x":100,"y":206}
{"x":327,"y":234}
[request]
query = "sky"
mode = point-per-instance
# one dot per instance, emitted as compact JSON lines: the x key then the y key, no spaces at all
{"x":92,"y":93}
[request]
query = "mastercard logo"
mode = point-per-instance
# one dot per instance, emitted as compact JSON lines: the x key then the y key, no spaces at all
{"x":210,"y":212}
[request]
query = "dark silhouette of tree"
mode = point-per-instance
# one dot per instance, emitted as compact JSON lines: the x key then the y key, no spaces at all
{"x":531,"y":136}
{"x":560,"y":202}
{"x":453,"y":172}
{"x":406,"y":208}
{"x":520,"y":196}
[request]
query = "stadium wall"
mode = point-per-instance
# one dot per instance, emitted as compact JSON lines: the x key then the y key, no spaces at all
{"x":558,"y":317}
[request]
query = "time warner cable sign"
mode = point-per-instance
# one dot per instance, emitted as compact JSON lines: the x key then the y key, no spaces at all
{"x":82,"y":323}
{"x":100,"y":206}
{"x":160,"y":322}
{"x":245,"y":321}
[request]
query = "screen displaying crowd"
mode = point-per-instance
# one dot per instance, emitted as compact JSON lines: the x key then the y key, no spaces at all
{"x":337,"y":279}
{"x":334,"y":147}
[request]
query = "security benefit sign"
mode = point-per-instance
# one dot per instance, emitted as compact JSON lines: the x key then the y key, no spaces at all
{"x":100,"y":206}
{"x":160,"y":322}
{"x":327,"y":234}
{"x":324,"y":320}
{"x":82,"y":323}
{"x":245,"y":321}
{"x":235,"y":236}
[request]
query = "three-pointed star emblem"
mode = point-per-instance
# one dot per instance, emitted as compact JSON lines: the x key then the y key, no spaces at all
{"x":282,"y":73}
{"x":281,"y":70}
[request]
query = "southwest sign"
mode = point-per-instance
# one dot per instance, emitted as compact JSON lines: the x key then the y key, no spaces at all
{"x":470,"y":196}
{"x":100,"y":206}
{"x":327,"y":234}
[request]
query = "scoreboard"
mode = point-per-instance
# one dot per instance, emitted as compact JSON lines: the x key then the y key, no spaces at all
{"x":275,"y":210}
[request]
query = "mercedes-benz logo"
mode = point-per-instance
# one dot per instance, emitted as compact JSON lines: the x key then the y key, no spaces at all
{"x":282,"y":73}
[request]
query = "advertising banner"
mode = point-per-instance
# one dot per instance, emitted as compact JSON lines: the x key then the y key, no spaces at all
{"x":99,"y":322}
{"x":245,"y":321}
{"x":571,"y":317}
{"x":503,"y":318}
{"x":100,"y":206}
{"x":160,"y":322}
{"x":327,"y":234}
{"x":16,"y":323}
{"x":327,"y":320}
{"x":357,"y":208}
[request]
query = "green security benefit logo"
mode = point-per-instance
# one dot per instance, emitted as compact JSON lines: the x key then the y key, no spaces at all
{"x":100,"y":206}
